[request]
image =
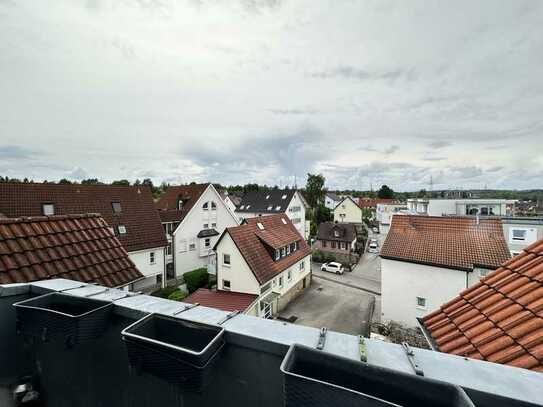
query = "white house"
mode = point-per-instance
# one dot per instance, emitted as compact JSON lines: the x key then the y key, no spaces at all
{"x":460,"y":207}
{"x":427,"y":260}
{"x":193,"y":217}
{"x":266,"y":257}
{"x":348,"y":211}
{"x":331,"y":200}
{"x":231,"y":200}
{"x":264,"y":203}
{"x":129,"y":212}
{"x":384,"y":213}
{"x":520,"y":232}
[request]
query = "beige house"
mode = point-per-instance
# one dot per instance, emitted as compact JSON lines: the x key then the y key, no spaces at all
{"x":348,"y":211}
{"x":267,"y":257}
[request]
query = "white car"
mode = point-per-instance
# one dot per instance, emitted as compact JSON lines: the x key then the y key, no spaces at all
{"x":332,"y":267}
{"x":373,"y":247}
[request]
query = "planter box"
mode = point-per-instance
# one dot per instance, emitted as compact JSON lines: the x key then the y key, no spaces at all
{"x":63,"y":317}
{"x":178,"y":351}
{"x":315,"y":378}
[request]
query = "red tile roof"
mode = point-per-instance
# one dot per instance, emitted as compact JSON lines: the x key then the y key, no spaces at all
{"x":167,"y":204}
{"x":372,"y":202}
{"x":76,"y":247}
{"x":143,"y":227}
{"x":499,"y":319}
{"x":453,"y":242}
{"x":254,"y":249}
{"x":223,"y":300}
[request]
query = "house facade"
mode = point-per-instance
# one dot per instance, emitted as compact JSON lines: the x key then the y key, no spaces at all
{"x":461,"y":207}
{"x":521,"y":232}
{"x":339,"y":240}
{"x":129,"y":212}
{"x":193,"y":217}
{"x":267,"y":257}
{"x":347,"y":211}
{"x":384,"y":213}
{"x":264,"y":203}
{"x":424,"y":259}
{"x":331,"y":200}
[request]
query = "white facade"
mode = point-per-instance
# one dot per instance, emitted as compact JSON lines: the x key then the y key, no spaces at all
{"x":405,"y":286}
{"x":521,"y":232}
{"x":229,"y":203}
{"x":384,"y":213}
{"x":330,"y":203}
{"x":348,"y":212}
{"x":459,"y":207}
{"x":191,"y":252}
{"x":150,"y":262}
{"x":295,"y":211}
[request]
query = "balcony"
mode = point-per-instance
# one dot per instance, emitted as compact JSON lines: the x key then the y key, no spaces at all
{"x":253,"y":368}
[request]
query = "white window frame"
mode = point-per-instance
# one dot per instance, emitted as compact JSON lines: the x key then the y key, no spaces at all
{"x":517,"y":239}
{"x":213,"y":206}
{"x":224,"y":286}
{"x":121,"y":229}
{"x":48,"y":209}
{"x":192,"y":245}
{"x":424,"y":301}
{"x":224,"y":262}
{"x":183,"y":246}
{"x":205,"y":226}
{"x":207,"y":242}
{"x":277,"y":254}
{"x":281,"y":281}
{"x":152,"y":258}
{"x":288,"y":250}
{"x":289,"y":275}
{"x":302,"y":265}
{"x":213,"y":225}
{"x":205,"y":206}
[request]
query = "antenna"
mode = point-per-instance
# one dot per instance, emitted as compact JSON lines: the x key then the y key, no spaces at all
{"x":431,"y":183}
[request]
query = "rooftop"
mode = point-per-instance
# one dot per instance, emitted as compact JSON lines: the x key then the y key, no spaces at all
{"x":499,"y":319}
{"x":272,"y":201}
{"x":98,"y":372}
{"x":167,"y":205}
{"x":78,"y":247}
{"x":131,"y":207}
{"x":223,"y":300}
{"x":372,"y":202}
{"x":258,"y":237}
{"x":452,"y":242}
{"x":346,"y":232}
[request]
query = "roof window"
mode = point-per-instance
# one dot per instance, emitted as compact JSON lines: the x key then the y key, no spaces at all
{"x":284,"y":197}
{"x":284,"y":221}
{"x":260,"y":225}
{"x":270,"y":207}
{"x":116,"y":206}
{"x":242,"y":207}
{"x":48,"y":209}
{"x":121,"y":229}
{"x":277,"y":208}
{"x":248,"y":206}
{"x":267,"y":197}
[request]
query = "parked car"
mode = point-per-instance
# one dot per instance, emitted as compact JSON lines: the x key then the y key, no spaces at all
{"x":333,"y":267}
{"x":373,"y":246}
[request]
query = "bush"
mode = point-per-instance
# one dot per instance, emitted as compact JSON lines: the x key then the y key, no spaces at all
{"x":196,"y":279}
{"x":177,"y":295}
{"x":164,"y":292}
{"x":317,"y":256}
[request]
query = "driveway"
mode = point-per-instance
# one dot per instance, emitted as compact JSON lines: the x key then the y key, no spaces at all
{"x":332,"y":305}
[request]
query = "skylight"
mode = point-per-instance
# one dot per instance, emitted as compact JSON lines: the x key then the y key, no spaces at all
{"x":260,"y":225}
{"x":248,"y":206}
{"x":284,"y":197}
{"x":267,"y":197}
{"x":270,"y":207}
{"x":277,"y":208}
{"x":284,"y":221}
{"x":242,"y":207}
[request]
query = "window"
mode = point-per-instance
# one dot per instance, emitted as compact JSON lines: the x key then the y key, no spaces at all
{"x":336,"y":233}
{"x":302,"y":266}
{"x":248,"y":206}
{"x":288,"y":250}
{"x":206,"y":225}
{"x":226,"y":259}
{"x":260,"y":225}
{"x":179,"y":204}
{"x":242,"y":207}
{"x":483,"y":272}
{"x":281,"y":281}
{"x":277,"y":254}
{"x":284,"y":197}
{"x":267,"y":197}
{"x":213,"y":206}
{"x":192,"y":245}
{"x":213,"y":225}
{"x":324,"y":243}
{"x":277,"y":208}
{"x":207,"y":242}
{"x":333,"y":244}
{"x":293,"y":247}
{"x":297,"y":243}
{"x":519,"y":234}
{"x":121,"y":229}
{"x":205,"y":206}
{"x":226,"y":284}
{"x":116,"y":207}
{"x":484,"y":211}
{"x":421,"y":302}
{"x":265,"y":288}
{"x":169,"y":249}
{"x":270,"y":207}
{"x":48,"y":209}
{"x":284,"y":221}
{"x":289,"y":275}
{"x":152,"y":258}
{"x":282,"y":252}
{"x":343,"y":245}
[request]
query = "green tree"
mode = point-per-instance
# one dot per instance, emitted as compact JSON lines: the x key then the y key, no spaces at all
{"x":314,"y":189}
{"x":65,"y":181}
{"x":421,"y":193}
{"x":385,"y":192}
{"x":121,"y":182}
{"x":90,"y":181}
{"x":322,"y":214}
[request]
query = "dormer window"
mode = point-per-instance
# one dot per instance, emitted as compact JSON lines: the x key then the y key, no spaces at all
{"x":270,"y":207}
{"x":284,"y":221}
{"x":116,"y":206}
{"x":277,"y":254}
{"x":336,"y":233}
{"x":260,"y":225}
{"x":277,"y":208}
{"x":267,"y":197}
{"x":48,"y":209}
{"x":205,"y":206}
{"x":121,"y":229}
{"x":179,"y":204}
{"x":283,"y":252}
{"x":284,"y":197}
{"x":213,"y":206}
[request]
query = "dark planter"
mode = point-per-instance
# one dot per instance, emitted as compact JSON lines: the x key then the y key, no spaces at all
{"x":314,"y":378}
{"x":178,"y":351}
{"x":63,"y":317}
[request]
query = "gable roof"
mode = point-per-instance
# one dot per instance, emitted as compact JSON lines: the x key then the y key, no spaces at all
{"x":453,"y":242}
{"x":372,"y":202}
{"x":333,"y":196}
{"x":249,"y":241}
{"x":138,"y":215}
{"x":167,"y":203}
{"x":76,"y":247}
{"x":347,"y":231}
{"x":223,"y":300}
{"x":499,"y":319}
{"x":347,"y":198}
{"x":266,"y":201}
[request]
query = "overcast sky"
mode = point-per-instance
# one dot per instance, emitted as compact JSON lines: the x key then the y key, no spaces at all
{"x":365,"y":92}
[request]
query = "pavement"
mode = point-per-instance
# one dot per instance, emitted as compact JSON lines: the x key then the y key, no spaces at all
{"x":335,"y":306}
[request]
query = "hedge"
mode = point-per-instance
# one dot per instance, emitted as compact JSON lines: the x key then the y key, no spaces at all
{"x":177,"y":295}
{"x":164,"y":292}
{"x":196,"y":279}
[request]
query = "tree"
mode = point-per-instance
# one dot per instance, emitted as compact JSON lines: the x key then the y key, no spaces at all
{"x":322,"y":214}
{"x":314,"y":189}
{"x":65,"y":181}
{"x":385,"y":192}
{"x":90,"y":181}
{"x":421,"y":193}
{"x":121,"y":182}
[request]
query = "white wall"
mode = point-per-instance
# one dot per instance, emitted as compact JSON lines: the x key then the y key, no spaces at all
{"x":403,"y":282}
{"x":230,"y":204}
{"x":348,"y":212}
{"x":533,"y":232}
{"x":330,"y":203}
{"x":142,"y":261}
{"x":296,"y":275}
{"x":439,"y":207}
{"x":242,"y":279}
{"x":186,"y":232}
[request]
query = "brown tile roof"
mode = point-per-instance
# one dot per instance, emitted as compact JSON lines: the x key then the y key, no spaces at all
{"x":372,"y":202}
{"x":346,"y":231}
{"x":76,"y":247}
{"x":223,"y":300}
{"x":254,"y":251}
{"x":143,"y":227}
{"x":167,"y":204}
{"x":453,"y":242}
{"x":499,"y":319}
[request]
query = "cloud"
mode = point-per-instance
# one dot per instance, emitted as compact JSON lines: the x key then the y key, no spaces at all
{"x":78,"y":174}
{"x":350,"y":72}
{"x":439,"y":144}
{"x":293,"y":111}
{"x":495,"y":169}
{"x":391,"y":150}
{"x":15,"y":152}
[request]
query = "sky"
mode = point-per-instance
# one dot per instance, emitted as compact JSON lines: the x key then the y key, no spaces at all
{"x":413,"y":94}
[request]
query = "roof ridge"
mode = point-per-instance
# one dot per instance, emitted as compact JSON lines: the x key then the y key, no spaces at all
{"x":44,"y":218}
